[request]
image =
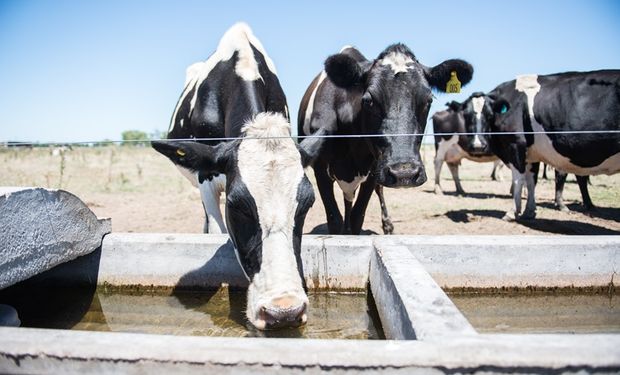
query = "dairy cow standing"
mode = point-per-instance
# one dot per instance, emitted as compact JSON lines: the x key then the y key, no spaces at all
{"x":236,"y":93}
{"x":353,"y":95}
{"x":453,"y":148}
{"x":573,"y":101}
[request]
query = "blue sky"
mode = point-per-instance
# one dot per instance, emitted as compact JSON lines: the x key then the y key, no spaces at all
{"x":86,"y":70}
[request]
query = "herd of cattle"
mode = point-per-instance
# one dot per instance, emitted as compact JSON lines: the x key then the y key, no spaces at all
{"x":235,"y":94}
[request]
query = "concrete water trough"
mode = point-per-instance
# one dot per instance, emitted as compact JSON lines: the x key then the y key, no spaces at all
{"x":407,"y":275}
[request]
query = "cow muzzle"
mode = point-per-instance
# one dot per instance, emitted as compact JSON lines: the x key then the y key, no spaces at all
{"x":284,"y":311}
{"x":403,"y":175}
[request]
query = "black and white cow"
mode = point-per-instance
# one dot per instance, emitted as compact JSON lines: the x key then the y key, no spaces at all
{"x":353,"y":95}
{"x":573,"y":101}
{"x":236,"y":93}
{"x":454,"y":148}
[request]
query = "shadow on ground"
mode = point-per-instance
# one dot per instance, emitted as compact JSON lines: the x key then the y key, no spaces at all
{"x":607,"y":213}
{"x":322,"y":229}
{"x":570,"y":227}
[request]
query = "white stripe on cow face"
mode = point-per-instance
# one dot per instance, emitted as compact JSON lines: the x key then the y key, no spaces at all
{"x":237,"y":39}
{"x":271,"y":170}
{"x":310,"y":107}
{"x":399,"y":62}
{"x":478,"y":104}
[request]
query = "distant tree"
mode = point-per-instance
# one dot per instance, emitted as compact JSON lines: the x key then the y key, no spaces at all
{"x":134,"y":138}
{"x":157,"y":134}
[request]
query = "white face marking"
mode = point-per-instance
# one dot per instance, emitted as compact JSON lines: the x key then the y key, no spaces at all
{"x":271,"y":169}
{"x":543,"y":150}
{"x":310,"y":107}
{"x":398,"y":62}
{"x":349,"y":188}
{"x":478,"y":104}
{"x":237,"y":39}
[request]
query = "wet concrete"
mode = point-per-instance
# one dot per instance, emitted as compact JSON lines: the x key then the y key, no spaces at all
{"x":540,"y":312}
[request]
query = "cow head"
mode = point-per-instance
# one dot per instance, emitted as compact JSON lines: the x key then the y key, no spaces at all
{"x":267,"y":198}
{"x":478,"y":114}
{"x":510,"y":117}
{"x":394,"y":95}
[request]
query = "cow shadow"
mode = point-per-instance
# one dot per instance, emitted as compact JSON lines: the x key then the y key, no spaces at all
{"x":195,"y":289}
{"x":472,"y":195}
{"x":569,"y":227}
{"x":322,"y":229}
{"x":607,"y":213}
{"x":465,"y":216}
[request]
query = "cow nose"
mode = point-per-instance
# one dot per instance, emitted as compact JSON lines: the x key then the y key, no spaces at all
{"x":405,"y":174}
{"x":283,"y":312}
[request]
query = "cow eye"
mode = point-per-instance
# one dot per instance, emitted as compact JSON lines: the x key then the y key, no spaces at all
{"x":367,"y":100}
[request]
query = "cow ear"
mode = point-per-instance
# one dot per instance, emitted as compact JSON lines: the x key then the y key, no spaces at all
{"x":454,"y":105}
{"x":310,"y":147}
{"x":196,"y":156}
{"x":344,"y":71}
{"x":438,"y":76}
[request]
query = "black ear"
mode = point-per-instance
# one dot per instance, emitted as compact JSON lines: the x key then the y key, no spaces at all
{"x":196,"y":156}
{"x":344,"y":71}
{"x":310,"y":147}
{"x":454,"y":105}
{"x":439,"y":75}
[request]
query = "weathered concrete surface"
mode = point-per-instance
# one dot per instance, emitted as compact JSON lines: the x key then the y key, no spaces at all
{"x":41,"y":228}
{"x":26,"y":351}
{"x":207,"y":261}
{"x":410,"y":303}
{"x":515,"y":261}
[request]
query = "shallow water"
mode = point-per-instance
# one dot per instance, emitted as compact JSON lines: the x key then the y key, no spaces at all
{"x":540,"y":312}
{"x":216,"y":313}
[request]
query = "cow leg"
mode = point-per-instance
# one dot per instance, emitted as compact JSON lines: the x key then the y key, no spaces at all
{"x":454,"y":169}
{"x":495,"y":173}
{"x":438,"y":165}
{"x":386,"y":221}
{"x":210,"y":191}
{"x":516,"y":190}
{"x":347,"y":216}
{"x":361,"y":203}
{"x":530,"y":181}
{"x":560,"y":180}
{"x":326,"y":189}
{"x":585,"y":195}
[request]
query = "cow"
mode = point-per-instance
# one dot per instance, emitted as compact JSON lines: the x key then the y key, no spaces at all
{"x":378,"y":98}
{"x":452,"y":148}
{"x":534,"y":109}
{"x":235,"y":93}
{"x":474,"y":117}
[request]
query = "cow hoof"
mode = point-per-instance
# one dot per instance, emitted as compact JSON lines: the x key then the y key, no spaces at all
{"x":460,"y":193}
{"x":509,"y":217}
{"x":438,"y":190}
{"x":388,"y":227}
{"x":563,"y":208}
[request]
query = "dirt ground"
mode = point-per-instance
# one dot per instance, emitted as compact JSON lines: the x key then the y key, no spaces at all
{"x":143,"y":192}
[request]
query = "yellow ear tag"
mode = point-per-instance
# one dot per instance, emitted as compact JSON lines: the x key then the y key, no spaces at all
{"x":454,"y":85}
{"x":180,"y":152}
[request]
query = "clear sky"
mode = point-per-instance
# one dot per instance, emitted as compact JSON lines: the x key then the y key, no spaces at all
{"x":88,"y":70}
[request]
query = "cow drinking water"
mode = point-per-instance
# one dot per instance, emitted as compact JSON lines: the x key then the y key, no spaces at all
{"x":236,"y":93}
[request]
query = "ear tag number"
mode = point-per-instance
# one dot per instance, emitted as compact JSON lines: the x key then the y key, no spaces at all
{"x":454,"y":85}
{"x":180,"y":152}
